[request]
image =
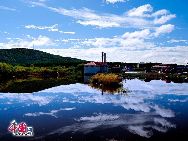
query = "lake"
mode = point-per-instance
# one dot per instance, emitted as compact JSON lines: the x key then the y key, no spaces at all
{"x":150,"y":111}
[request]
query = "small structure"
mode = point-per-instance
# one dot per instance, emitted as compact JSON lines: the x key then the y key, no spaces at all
{"x":116,"y":69}
{"x":93,"y":68}
{"x":146,"y":67}
{"x":130,"y":66}
{"x":182,"y":69}
{"x":164,"y":68}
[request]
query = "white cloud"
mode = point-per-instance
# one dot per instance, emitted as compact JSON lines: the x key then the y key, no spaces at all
{"x":168,"y":28}
{"x":5,"y":32}
{"x":131,"y":40}
{"x":68,"y":32}
{"x":178,"y":100}
{"x":72,"y":88}
{"x":27,"y":99}
{"x":161,"y":12}
{"x":7,"y":8}
{"x":99,"y":23}
{"x":158,"y":54}
{"x":51,"y":113}
{"x":163,"y":19}
{"x":141,"y":124}
{"x":129,"y":47}
{"x":137,"y":40}
{"x":145,"y":119}
{"x":115,"y":1}
{"x":137,"y":34}
{"x":100,"y":116}
{"x":164,"y":112}
{"x":40,"y":41}
{"x":68,"y":109}
{"x":139,"y":130}
{"x":160,"y":17}
{"x":177,"y":41}
{"x":142,"y":11}
{"x":128,"y":41}
{"x":89,"y":17}
{"x":53,"y":28}
{"x":140,"y":17}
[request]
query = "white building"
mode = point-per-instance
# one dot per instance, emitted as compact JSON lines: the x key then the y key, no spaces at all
{"x":93,"y":68}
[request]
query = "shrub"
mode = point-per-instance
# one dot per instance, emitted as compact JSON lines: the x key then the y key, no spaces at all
{"x":6,"y":68}
{"x":106,"y":79}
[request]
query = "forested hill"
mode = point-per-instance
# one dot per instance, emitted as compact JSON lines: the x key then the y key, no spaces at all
{"x":27,"y":57}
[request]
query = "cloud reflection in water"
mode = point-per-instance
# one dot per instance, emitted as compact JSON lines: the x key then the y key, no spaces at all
{"x":137,"y":112}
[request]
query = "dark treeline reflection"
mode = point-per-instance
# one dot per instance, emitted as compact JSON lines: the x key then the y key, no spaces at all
{"x":147,"y":77}
{"x":31,"y":85}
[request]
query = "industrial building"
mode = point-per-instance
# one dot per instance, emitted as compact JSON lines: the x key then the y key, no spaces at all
{"x":93,"y":68}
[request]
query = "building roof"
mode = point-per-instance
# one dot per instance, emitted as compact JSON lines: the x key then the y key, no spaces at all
{"x":95,"y":64}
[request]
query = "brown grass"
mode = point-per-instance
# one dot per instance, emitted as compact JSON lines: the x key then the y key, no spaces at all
{"x":108,"y":79}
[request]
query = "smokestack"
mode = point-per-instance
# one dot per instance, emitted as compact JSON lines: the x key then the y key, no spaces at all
{"x":102,"y":57}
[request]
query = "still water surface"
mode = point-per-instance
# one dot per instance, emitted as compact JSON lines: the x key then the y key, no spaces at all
{"x":152,"y":110}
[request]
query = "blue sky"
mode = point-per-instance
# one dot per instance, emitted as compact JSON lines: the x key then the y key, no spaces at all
{"x":127,"y":30}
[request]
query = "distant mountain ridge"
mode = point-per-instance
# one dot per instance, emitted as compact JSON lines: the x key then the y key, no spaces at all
{"x":26,"y":57}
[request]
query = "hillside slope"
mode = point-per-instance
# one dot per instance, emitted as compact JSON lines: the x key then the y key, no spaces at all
{"x":26,"y":57}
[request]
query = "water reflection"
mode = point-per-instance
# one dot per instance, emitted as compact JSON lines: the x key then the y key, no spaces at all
{"x":111,"y":90}
{"x":140,"y":124}
{"x":31,"y":84}
{"x":147,"y":109}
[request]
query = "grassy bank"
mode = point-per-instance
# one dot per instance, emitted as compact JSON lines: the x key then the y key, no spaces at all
{"x":8,"y":71}
{"x":108,"y":79}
